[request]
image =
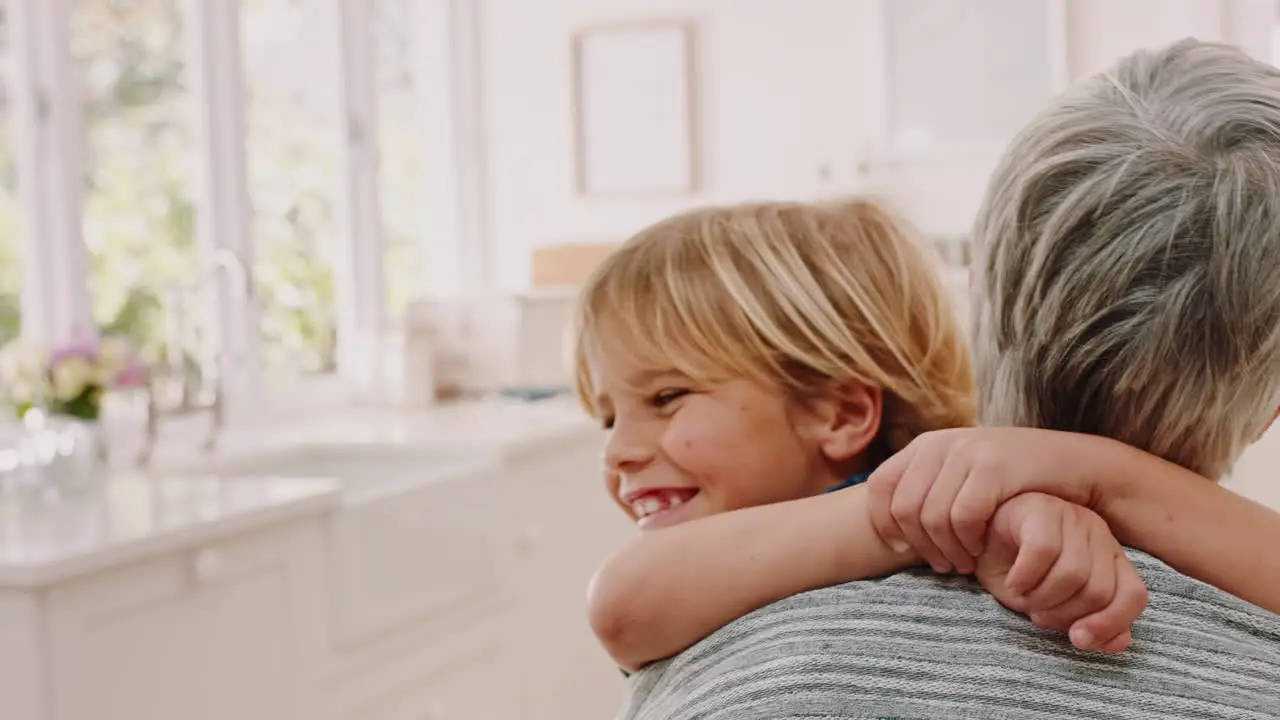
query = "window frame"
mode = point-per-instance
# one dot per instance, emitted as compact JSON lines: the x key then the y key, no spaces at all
{"x":48,"y":126}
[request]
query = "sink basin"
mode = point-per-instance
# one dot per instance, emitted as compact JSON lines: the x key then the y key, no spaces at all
{"x":366,"y":471}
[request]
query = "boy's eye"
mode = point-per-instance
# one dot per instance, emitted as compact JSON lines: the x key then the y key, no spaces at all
{"x":666,"y":397}
{"x":606,"y":422}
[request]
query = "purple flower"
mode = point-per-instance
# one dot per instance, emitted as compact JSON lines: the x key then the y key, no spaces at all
{"x":133,"y":376}
{"x":86,"y":349}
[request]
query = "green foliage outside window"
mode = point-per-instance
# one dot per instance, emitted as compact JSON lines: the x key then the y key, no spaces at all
{"x":140,"y":158}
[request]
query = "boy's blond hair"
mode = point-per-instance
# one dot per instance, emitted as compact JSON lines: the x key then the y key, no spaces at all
{"x":802,"y":296}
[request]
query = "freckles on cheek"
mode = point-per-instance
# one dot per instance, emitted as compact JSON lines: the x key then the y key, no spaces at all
{"x":683,"y":444}
{"x":687,"y":445}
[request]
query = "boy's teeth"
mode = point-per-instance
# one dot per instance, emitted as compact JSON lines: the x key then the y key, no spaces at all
{"x":651,"y":504}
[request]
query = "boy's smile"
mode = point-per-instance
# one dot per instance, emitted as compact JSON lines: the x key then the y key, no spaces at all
{"x":679,"y":449}
{"x":660,"y":507}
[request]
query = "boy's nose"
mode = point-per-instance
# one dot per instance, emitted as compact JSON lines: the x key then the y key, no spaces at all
{"x":629,"y":448}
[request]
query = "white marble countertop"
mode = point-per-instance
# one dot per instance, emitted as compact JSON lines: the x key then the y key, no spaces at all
{"x":505,"y":427}
{"x":44,"y":541}
{"x":263,"y":472}
{"x":495,"y":430}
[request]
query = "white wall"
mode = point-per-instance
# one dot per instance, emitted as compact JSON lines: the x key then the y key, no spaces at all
{"x":788,"y":96}
{"x":788,"y":101}
{"x":1257,"y":475}
{"x":779,"y":106}
{"x":1100,"y":31}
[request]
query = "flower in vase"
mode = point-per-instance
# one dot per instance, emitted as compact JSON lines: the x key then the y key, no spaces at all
{"x":114,"y":354}
{"x":73,"y":378}
{"x":22,"y":373}
{"x":119,"y":366}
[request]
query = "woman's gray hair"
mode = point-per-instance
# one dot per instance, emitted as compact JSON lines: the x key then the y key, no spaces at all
{"x":1127,"y":280}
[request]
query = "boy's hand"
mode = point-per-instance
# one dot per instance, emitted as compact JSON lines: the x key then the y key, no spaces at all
{"x":940,"y":492}
{"x":1060,"y":564}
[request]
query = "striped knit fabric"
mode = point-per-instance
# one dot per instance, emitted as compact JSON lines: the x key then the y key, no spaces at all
{"x":915,"y":645}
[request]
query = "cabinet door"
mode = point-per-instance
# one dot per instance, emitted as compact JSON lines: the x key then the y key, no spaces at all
{"x":568,"y":526}
{"x":221,"y":632}
{"x":409,"y":554}
{"x":458,"y":674}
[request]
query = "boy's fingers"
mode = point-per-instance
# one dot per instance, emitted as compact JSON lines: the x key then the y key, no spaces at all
{"x":1131,"y":597}
{"x":880,"y":489}
{"x":1115,"y":620}
{"x":1038,"y":550}
{"x":908,"y":502}
{"x":1071,"y":574}
{"x":1088,"y":559}
{"x":975,"y":504}
{"x":1083,"y":639}
{"x":1119,"y":643}
{"x":935,"y":516}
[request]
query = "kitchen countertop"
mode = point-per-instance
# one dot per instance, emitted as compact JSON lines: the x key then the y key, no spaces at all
{"x":129,"y":516}
{"x":135,"y":514}
{"x":187,"y":497}
{"x":497,"y":430}
{"x":507,"y":427}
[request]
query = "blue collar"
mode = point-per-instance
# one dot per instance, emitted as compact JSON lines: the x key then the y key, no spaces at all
{"x":855,"y":480}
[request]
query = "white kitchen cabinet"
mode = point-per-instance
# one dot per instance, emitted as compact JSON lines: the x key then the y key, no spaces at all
{"x":431,"y":589}
{"x":519,"y":649}
{"x":455,"y":669}
{"x":218,"y":632}
{"x":570,"y":526}
{"x":144,"y":599}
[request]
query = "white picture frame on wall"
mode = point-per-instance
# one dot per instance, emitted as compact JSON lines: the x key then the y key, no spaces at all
{"x":634,"y":109}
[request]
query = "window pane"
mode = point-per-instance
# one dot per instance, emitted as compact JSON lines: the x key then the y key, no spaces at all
{"x":399,"y":154}
{"x":10,"y":260}
{"x":292,"y":123}
{"x":139,"y":213}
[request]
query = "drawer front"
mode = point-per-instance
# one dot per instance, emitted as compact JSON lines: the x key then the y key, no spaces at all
{"x":400,"y":559}
{"x":457,"y":676}
{"x":221,"y":631}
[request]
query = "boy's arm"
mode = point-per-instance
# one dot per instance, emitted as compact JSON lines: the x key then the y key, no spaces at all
{"x":1196,"y":526}
{"x":669,"y":588}
{"x":940,"y":493}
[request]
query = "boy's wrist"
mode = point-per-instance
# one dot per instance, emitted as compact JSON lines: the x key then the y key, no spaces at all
{"x":1117,"y":477}
{"x":856,"y":500}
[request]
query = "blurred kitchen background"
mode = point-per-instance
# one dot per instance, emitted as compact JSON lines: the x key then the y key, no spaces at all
{"x":338,"y":240}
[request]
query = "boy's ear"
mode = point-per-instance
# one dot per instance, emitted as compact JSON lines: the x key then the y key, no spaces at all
{"x":850,"y":421}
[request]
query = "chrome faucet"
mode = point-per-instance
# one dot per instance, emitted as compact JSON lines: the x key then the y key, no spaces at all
{"x":200,"y":385}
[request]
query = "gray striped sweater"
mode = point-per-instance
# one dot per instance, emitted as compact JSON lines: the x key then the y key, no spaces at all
{"x":915,"y":645}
